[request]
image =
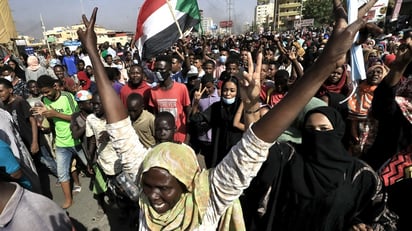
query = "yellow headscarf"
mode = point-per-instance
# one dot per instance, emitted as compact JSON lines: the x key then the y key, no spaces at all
{"x":181,"y":162}
{"x":299,"y":50}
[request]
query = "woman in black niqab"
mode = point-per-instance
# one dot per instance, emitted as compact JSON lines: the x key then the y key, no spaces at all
{"x":320,"y":187}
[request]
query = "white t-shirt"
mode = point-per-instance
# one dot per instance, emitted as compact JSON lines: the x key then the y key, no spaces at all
{"x":107,"y":158}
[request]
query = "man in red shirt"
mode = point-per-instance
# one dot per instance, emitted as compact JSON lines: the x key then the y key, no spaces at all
{"x":136,"y":84}
{"x":170,"y":96}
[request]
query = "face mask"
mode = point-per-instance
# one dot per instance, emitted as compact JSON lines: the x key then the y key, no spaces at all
{"x":8,"y":78}
{"x":120,"y":67}
{"x":222,"y":58}
{"x":161,"y":76}
{"x":228,"y":101}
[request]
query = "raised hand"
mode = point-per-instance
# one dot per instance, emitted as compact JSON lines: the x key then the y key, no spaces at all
{"x":115,"y":111}
{"x":292,"y":55}
{"x":198,"y":94}
{"x":88,"y":37}
{"x":250,"y":83}
{"x":278,"y":119}
{"x":398,"y":67}
{"x":343,"y":34}
{"x":404,"y":55}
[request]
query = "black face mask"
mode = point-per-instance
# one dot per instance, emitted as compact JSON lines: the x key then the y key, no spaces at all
{"x":162,"y":76}
{"x":323,"y":160}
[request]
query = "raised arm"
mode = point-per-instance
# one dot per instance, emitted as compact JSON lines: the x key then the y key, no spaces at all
{"x":125,"y":141}
{"x":234,"y":173}
{"x":115,"y":111}
{"x":403,"y":58}
{"x":269,"y":127}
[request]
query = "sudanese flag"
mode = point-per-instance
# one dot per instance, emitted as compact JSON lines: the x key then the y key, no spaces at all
{"x":156,"y":28}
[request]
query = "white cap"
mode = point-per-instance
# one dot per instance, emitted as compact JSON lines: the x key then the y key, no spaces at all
{"x":192,"y":72}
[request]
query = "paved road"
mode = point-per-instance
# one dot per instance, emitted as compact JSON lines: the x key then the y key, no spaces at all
{"x":85,"y":207}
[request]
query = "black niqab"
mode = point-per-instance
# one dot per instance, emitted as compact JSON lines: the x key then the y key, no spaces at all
{"x":323,"y":162}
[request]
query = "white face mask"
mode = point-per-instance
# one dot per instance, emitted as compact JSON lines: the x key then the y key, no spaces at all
{"x":120,"y":67}
{"x":228,"y":101}
{"x":222,"y":59}
{"x":9,"y":78}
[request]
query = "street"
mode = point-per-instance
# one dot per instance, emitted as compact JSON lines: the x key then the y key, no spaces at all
{"x":84,"y":208}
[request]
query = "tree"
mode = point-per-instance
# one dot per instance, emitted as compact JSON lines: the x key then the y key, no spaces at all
{"x":320,"y":10}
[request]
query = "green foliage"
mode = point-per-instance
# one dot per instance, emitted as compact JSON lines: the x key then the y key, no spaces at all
{"x":320,"y":10}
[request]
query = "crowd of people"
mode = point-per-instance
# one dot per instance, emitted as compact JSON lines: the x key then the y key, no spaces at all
{"x":246,"y":132}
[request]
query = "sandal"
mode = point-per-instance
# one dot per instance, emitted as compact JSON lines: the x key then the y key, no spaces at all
{"x":76,"y":189}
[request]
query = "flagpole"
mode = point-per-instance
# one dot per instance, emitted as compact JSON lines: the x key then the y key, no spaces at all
{"x":174,"y":18}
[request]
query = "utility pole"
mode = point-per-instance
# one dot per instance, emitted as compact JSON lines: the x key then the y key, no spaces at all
{"x":275,"y":15}
{"x":44,"y":33}
{"x":229,"y":9}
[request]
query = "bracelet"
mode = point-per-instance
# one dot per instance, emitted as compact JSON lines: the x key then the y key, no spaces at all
{"x":252,"y":112}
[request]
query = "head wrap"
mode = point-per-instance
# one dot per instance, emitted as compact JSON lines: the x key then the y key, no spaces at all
{"x":384,"y":68}
{"x":84,"y":81}
{"x":181,"y":162}
{"x":323,"y":160}
{"x":334,"y":88}
{"x":299,"y":50}
{"x":361,"y":101}
{"x":33,"y":63}
{"x":389,"y":59}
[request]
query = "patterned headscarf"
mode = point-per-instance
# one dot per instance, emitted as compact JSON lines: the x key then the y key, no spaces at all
{"x":404,"y":97}
{"x":181,"y":162}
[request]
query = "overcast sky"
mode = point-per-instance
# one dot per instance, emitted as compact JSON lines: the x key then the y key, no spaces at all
{"x":117,"y":15}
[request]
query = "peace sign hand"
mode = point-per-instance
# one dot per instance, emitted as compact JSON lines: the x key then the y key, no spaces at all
{"x":198,"y":94}
{"x":88,"y":37}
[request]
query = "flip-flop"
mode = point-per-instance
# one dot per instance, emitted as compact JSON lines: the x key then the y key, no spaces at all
{"x":76,"y":189}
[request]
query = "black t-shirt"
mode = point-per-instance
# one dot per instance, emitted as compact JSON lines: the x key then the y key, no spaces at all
{"x":20,"y":111}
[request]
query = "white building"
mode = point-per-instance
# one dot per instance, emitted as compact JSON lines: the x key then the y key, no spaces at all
{"x":207,"y":24}
{"x":264,"y":15}
{"x":59,"y":35}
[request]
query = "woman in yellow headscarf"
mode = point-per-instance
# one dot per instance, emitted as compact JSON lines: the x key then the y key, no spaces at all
{"x":180,"y":200}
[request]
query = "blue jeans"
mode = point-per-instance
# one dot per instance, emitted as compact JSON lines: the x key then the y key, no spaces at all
{"x":64,"y":157}
{"x":48,"y":160}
